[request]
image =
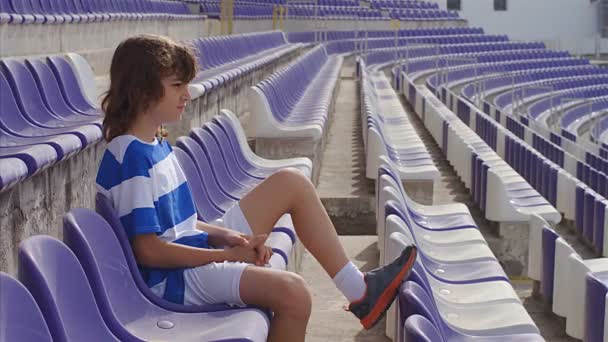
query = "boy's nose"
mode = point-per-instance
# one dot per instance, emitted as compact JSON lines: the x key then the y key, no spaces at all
{"x":186,"y":95}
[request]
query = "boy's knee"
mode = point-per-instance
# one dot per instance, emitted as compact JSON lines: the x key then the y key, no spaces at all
{"x":296,"y":300}
{"x":292,"y":177}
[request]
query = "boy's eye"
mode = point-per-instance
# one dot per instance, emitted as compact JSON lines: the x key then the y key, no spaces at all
{"x":177,"y":84}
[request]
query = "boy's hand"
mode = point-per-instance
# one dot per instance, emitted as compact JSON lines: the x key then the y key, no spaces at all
{"x":263,"y":252}
{"x":253,"y":251}
{"x":241,"y":254}
{"x":263,"y":255}
{"x":232,"y":239}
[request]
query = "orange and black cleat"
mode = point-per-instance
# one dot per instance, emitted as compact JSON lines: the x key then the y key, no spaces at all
{"x":382,"y":285}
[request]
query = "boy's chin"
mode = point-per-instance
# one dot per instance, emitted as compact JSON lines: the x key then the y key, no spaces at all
{"x":175,"y":119}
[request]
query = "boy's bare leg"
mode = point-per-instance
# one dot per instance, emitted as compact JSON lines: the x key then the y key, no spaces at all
{"x":289,"y":191}
{"x":285,"y":293}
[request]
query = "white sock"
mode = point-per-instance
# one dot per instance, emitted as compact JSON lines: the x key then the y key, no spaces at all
{"x":350,"y":282}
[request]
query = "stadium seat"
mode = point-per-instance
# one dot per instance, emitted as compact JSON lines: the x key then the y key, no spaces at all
{"x":595,"y":307}
{"x":32,"y":106}
{"x":124,"y":307}
{"x":247,"y":158}
{"x":222,"y":59}
{"x":296,"y":101}
{"x":390,"y":134}
{"x":65,"y":299}
{"x":479,"y":319}
{"x":21,"y":319}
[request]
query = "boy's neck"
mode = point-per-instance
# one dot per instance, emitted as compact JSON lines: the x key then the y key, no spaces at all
{"x":144,"y":129}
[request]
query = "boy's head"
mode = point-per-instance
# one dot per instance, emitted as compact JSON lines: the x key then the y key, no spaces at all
{"x":149,"y":75}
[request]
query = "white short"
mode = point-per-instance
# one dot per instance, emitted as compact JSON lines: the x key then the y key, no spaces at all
{"x":217,"y":282}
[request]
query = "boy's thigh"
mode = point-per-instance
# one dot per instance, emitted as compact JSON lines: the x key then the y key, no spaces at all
{"x":214,"y":283}
{"x":271,"y":288}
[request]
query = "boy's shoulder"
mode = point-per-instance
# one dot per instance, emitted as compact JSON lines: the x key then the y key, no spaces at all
{"x":129,"y":147}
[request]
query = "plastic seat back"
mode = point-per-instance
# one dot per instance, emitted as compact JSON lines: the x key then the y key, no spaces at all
{"x":206,"y":210}
{"x":118,"y":295}
{"x":419,"y":329}
{"x":549,"y":237}
{"x":59,"y":285}
{"x":20,"y":317}
{"x":221,"y":199}
{"x":48,"y":86}
{"x":69,"y":83}
{"x":26,"y":92}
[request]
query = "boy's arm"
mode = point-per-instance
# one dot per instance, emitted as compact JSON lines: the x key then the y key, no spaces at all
{"x":151,"y":251}
{"x":219,"y":236}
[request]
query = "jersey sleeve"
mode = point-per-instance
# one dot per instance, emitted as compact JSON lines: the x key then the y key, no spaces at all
{"x":131,"y":189}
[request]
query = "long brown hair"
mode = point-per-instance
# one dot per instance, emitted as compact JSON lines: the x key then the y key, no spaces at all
{"x":138,"y":66}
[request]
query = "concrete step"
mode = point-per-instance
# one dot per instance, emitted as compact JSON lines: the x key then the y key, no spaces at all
{"x":329,"y":321}
{"x":346,"y":194}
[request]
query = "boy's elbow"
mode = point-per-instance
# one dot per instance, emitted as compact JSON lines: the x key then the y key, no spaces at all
{"x":146,"y":251}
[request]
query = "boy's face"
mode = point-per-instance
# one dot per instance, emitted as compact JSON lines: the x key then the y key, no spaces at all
{"x":171,"y":106}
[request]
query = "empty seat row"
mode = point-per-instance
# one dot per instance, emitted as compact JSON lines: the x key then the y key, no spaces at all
{"x":213,"y":52}
{"x":222,"y":59}
{"x":574,"y":287}
{"x":265,"y":10}
{"x":575,"y":153}
{"x":388,"y":131}
{"x":539,"y":162}
{"x":308,"y":36}
{"x":44,"y":116}
{"x":100,"y":295}
{"x":551,"y":89}
{"x":404,"y":4}
{"x":466,"y":309}
{"x":457,"y":284}
{"x":358,"y":44}
{"x":308,"y":11}
{"x":81,"y":11}
{"x":574,"y":117}
{"x":501,"y":193}
{"x":297,"y":100}
{"x":598,"y":131}
{"x":587,"y":210}
{"x":423,"y":14}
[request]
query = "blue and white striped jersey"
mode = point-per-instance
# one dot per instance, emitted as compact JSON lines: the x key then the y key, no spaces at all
{"x":149,"y":191}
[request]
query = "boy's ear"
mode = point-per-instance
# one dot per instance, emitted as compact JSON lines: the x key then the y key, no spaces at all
{"x":162,"y":133}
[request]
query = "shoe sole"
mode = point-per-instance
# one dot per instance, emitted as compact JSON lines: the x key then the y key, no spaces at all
{"x":388,"y":295}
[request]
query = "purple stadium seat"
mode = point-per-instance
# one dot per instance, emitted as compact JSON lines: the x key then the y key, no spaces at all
{"x":52,"y":274}
{"x":32,"y":106}
{"x":207,"y":210}
{"x":414,"y":300}
{"x":419,"y":329}
{"x":15,"y":130}
{"x":20,"y":316}
{"x":13,"y":171}
{"x":239,"y":186}
{"x":73,"y":94}
{"x":127,"y":311}
{"x":595,"y":307}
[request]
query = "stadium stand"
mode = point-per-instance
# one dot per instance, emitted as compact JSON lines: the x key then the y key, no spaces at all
{"x":224,"y":59}
{"x":568,"y":281}
{"x":528,"y":159}
{"x":89,"y":25}
{"x":523,"y":127}
{"x":311,"y":81}
{"x":94,"y":240}
{"x":388,"y":133}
